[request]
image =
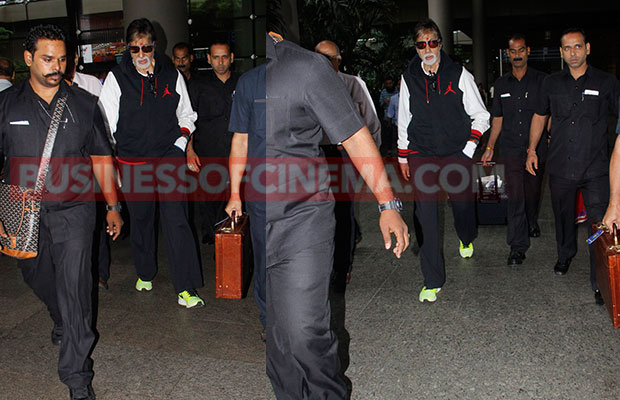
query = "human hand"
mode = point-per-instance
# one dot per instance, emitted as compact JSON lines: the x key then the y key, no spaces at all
{"x":531,"y":164}
{"x":404,"y":170}
{"x":390,"y":222}
{"x":612,"y":216}
{"x":487,"y":157}
{"x":193,"y":161}
{"x":115,"y":223}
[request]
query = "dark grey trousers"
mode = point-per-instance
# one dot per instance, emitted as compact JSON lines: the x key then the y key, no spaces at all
{"x":302,"y":350}
{"x":61,"y":276}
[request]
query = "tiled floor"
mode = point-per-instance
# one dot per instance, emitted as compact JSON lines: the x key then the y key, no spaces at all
{"x":495,"y":333}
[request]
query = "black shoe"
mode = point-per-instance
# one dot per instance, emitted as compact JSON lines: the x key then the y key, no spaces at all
{"x":534,"y":232}
{"x":561,"y":268}
{"x":208,"y":239}
{"x":82,"y":393}
{"x":516,"y":257}
{"x":598,"y":299}
{"x":56,"y":335}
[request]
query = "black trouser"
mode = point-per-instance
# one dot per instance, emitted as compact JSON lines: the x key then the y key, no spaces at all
{"x":258,"y":233}
{"x":101,"y":245}
{"x":180,"y":245}
{"x":533,"y":193}
{"x":426,"y":201}
{"x":524,"y":190}
{"x":179,"y":239}
{"x":210,"y":212}
{"x":61,"y":277}
{"x":302,"y":351}
{"x":563,"y":195}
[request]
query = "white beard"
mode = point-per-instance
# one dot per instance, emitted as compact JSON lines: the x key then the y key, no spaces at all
{"x":138,"y":65}
{"x":429,"y":60}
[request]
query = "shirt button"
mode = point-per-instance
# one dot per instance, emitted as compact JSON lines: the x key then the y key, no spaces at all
{"x":520,"y":122}
{"x":518,"y":98}
{"x":572,"y":122}
{"x":569,"y":158}
{"x":519,"y":110}
{"x":570,"y":140}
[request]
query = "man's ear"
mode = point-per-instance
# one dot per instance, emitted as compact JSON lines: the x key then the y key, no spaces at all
{"x":232,"y":57}
{"x":28,"y":58}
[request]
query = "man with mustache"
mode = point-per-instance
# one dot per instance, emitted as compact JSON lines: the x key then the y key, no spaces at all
{"x":60,"y":275}
{"x":441,"y":118}
{"x":212,"y":100}
{"x":513,"y":107}
{"x":579,"y":100}
{"x":151,"y":118}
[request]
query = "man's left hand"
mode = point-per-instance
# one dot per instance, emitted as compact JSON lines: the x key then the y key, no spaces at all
{"x":390,"y":222}
{"x":115,"y":223}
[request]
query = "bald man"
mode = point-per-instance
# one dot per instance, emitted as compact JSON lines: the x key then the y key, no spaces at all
{"x":357,"y":88}
{"x":344,"y":211}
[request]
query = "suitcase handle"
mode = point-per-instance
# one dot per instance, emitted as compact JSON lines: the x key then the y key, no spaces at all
{"x":233,"y":219}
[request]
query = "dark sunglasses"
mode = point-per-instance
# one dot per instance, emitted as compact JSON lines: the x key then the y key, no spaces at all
{"x":145,"y":49}
{"x":431,"y":43}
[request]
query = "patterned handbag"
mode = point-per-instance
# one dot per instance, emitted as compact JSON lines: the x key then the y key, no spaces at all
{"x":20,"y":207}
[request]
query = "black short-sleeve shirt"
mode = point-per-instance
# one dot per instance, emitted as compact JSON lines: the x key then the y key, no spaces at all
{"x":305,"y":97}
{"x":213,"y":101}
{"x":24,"y":122}
{"x":515,"y":101}
{"x":579,"y":111}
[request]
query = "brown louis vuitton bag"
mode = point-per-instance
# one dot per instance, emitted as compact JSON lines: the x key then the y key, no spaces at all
{"x":20,"y":207}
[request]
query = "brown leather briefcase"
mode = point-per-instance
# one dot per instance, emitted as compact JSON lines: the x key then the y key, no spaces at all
{"x":607,"y":253}
{"x":233,"y":258}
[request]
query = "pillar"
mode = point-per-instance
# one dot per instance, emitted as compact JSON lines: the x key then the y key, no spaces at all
{"x":479,"y":58}
{"x":169,"y":18}
{"x":439,"y":11}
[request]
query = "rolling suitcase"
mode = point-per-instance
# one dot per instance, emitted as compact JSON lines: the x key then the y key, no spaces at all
{"x":607,"y":252}
{"x":233,"y":258}
{"x":491,"y":199}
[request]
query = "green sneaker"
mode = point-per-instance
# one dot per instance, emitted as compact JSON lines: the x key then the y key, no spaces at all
{"x":466,"y":252}
{"x":144,"y":285}
{"x":429,"y":295}
{"x":190,"y":299}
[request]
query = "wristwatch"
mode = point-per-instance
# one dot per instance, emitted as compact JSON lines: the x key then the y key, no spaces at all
{"x":395,"y":204}
{"x":116,"y":207}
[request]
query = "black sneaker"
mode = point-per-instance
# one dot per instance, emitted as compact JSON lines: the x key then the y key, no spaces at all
{"x":82,"y":393}
{"x":56,"y":335}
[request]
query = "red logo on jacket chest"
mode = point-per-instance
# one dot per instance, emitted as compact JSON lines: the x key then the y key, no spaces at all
{"x":166,"y":92}
{"x":449,"y":89}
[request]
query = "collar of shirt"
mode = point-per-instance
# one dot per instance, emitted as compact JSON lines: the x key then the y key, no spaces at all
{"x":29,"y":91}
{"x":271,"y":47}
{"x":566,"y":74}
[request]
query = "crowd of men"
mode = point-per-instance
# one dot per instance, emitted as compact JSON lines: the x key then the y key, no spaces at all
{"x":299,"y":106}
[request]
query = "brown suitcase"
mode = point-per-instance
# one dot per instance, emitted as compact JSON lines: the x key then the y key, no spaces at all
{"x":233,"y":258}
{"x":607,"y":253}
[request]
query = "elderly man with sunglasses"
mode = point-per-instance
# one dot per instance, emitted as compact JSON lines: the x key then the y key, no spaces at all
{"x":441,"y":118}
{"x":151,"y":118}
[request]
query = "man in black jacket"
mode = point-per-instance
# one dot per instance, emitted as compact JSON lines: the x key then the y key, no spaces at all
{"x":149,"y":112}
{"x":212,"y":140}
{"x":441,"y":118}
